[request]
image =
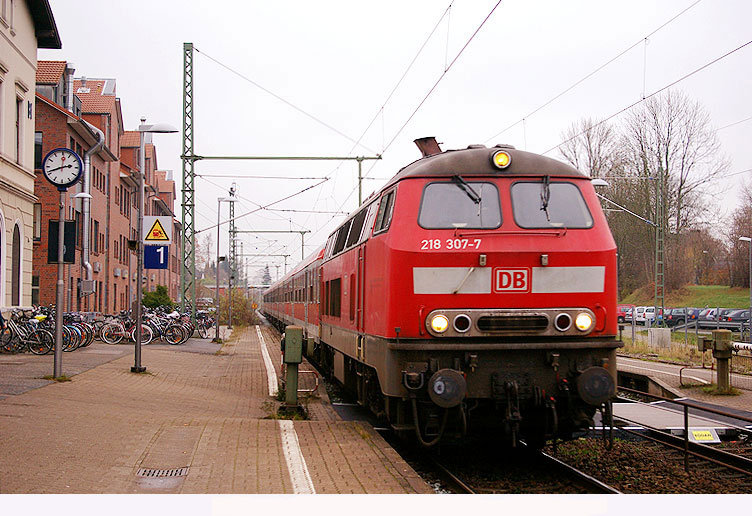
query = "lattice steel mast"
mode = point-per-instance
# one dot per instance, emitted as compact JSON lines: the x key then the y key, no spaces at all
{"x":188,"y":270}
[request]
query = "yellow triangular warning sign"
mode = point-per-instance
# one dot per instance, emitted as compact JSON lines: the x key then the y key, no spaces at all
{"x":156,"y":233}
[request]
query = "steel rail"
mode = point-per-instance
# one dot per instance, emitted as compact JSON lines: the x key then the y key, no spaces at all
{"x":450,"y":478}
{"x":599,"y":486}
{"x":665,"y":439}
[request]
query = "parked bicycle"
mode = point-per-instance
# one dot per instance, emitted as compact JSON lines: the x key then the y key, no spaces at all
{"x":21,"y":332}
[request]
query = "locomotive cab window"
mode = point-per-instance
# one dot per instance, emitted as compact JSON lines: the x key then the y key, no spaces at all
{"x":545,"y":204}
{"x":460,"y":204}
{"x":384,"y":216}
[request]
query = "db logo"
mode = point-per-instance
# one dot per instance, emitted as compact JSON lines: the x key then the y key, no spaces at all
{"x":511,"y":280}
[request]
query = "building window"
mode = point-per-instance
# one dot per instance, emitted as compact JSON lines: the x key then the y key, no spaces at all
{"x":15,"y":287}
{"x":37,"y":221}
{"x":95,"y":236}
{"x":19,"y":114}
{"x":35,"y":289}
{"x":38,"y":150}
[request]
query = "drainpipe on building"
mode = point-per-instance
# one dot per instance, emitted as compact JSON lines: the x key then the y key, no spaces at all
{"x":87,"y":284}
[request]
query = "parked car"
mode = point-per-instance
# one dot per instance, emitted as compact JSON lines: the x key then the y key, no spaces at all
{"x":624,"y":313}
{"x":680,"y":316}
{"x":736,"y":317}
{"x":710,"y":317}
{"x":646,"y":315}
{"x":692,"y":314}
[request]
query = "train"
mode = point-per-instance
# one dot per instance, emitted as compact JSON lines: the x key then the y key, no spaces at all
{"x":474,"y":294}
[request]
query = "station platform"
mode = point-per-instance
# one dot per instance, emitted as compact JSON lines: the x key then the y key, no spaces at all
{"x":201,"y":419}
{"x":683,"y":383}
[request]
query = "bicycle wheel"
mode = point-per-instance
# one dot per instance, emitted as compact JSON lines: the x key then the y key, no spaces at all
{"x":9,"y":342}
{"x":88,"y":331}
{"x":69,"y":339}
{"x":174,"y":334}
{"x":203,"y":332}
{"x":146,"y":334}
{"x":112,"y":333}
{"x":40,"y":342}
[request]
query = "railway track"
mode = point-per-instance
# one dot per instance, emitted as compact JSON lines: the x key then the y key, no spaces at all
{"x":502,"y":472}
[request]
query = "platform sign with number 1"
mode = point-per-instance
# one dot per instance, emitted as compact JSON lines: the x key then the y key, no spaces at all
{"x":156,"y":256}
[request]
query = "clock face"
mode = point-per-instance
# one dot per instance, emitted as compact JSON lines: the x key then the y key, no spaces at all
{"x":62,"y":167}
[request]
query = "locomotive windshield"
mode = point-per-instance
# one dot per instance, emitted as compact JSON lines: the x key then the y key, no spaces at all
{"x":549,"y":205}
{"x":460,"y":204}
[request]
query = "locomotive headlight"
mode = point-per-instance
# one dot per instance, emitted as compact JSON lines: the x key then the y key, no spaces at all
{"x":501,"y":159}
{"x":583,"y":321}
{"x":439,"y":323}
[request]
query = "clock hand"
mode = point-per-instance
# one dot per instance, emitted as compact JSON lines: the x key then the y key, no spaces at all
{"x":61,"y":166}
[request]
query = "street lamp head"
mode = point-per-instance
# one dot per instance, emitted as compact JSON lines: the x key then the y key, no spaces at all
{"x":599,"y":182}
{"x":157,"y":128}
{"x":745,"y":239}
{"x":82,"y":195}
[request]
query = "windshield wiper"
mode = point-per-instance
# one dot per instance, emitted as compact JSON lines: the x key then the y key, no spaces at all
{"x":461,"y":183}
{"x":545,"y":196}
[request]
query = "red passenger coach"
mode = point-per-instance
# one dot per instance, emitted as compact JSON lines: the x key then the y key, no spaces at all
{"x":475,"y":293}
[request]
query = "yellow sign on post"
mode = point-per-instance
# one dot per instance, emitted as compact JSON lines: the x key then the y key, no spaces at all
{"x":157,"y":229}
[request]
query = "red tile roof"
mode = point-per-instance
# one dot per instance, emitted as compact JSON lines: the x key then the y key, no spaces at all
{"x":50,"y":72}
{"x":96,"y":103}
{"x":130,"y":139}
{"x":92,"y":100}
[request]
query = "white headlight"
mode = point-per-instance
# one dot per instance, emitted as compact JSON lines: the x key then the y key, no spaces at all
{"x":583,"y":322}
{"x":439,"y":323}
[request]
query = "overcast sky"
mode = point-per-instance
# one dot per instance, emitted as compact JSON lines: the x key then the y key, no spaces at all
{"x":331,"y":66}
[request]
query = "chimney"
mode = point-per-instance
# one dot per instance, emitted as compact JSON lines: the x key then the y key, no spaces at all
{"x":428,"y":146}
{"x":70,"y":69}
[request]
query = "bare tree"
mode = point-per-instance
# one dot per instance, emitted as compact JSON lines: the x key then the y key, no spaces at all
{"x":664,"y":151}
{"x":591,"y":147}
{"x":204,"y":247}
{"x":669,"y":138}
{"x":741,"y":226}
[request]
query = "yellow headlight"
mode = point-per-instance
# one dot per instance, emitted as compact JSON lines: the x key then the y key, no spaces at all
{"x":501,"y":159}
{"x":439,"y":323}
{"x":583,"y":322}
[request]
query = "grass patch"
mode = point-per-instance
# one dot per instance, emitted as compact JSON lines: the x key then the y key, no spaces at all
{"x":278,"y":411}
{"x":697,"y":296}
{"x":678,"y":353}
{"x":62,"y":378}
{"x":713,"y":390}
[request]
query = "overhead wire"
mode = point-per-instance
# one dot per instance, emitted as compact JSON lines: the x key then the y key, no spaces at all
{"x":380,"y":111}
{"x":656,"y":92}
{"x":263,"y":207}
{"x":589,"y":75}
{"x":283,"y":100}
{"x":259,"y":206}
{"x":734,"y":123}
{"x":430,"y":91}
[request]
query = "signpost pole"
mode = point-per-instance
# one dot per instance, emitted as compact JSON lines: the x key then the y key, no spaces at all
{"x":58,"y":365}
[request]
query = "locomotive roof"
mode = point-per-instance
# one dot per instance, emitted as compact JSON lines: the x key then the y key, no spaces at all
{"x":476,"y":161}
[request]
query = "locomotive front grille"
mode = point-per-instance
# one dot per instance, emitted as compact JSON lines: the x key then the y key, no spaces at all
{"x":472,"y":322}
{"x":512,"y":323}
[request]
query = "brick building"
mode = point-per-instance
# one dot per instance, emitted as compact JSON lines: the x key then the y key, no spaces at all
{"x":58,"y":126}
{"x":92,"y":107}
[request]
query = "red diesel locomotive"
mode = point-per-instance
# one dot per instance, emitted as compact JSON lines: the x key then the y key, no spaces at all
{"x":475,"y":292}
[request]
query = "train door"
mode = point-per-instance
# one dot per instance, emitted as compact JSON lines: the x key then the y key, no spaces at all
{"x":360,"y":281}
{"x":306,"y":300}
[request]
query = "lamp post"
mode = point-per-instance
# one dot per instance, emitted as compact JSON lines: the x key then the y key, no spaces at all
{"x":749,"y":321}
{"x":220,"y":200}
{"x":142,"y":129}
